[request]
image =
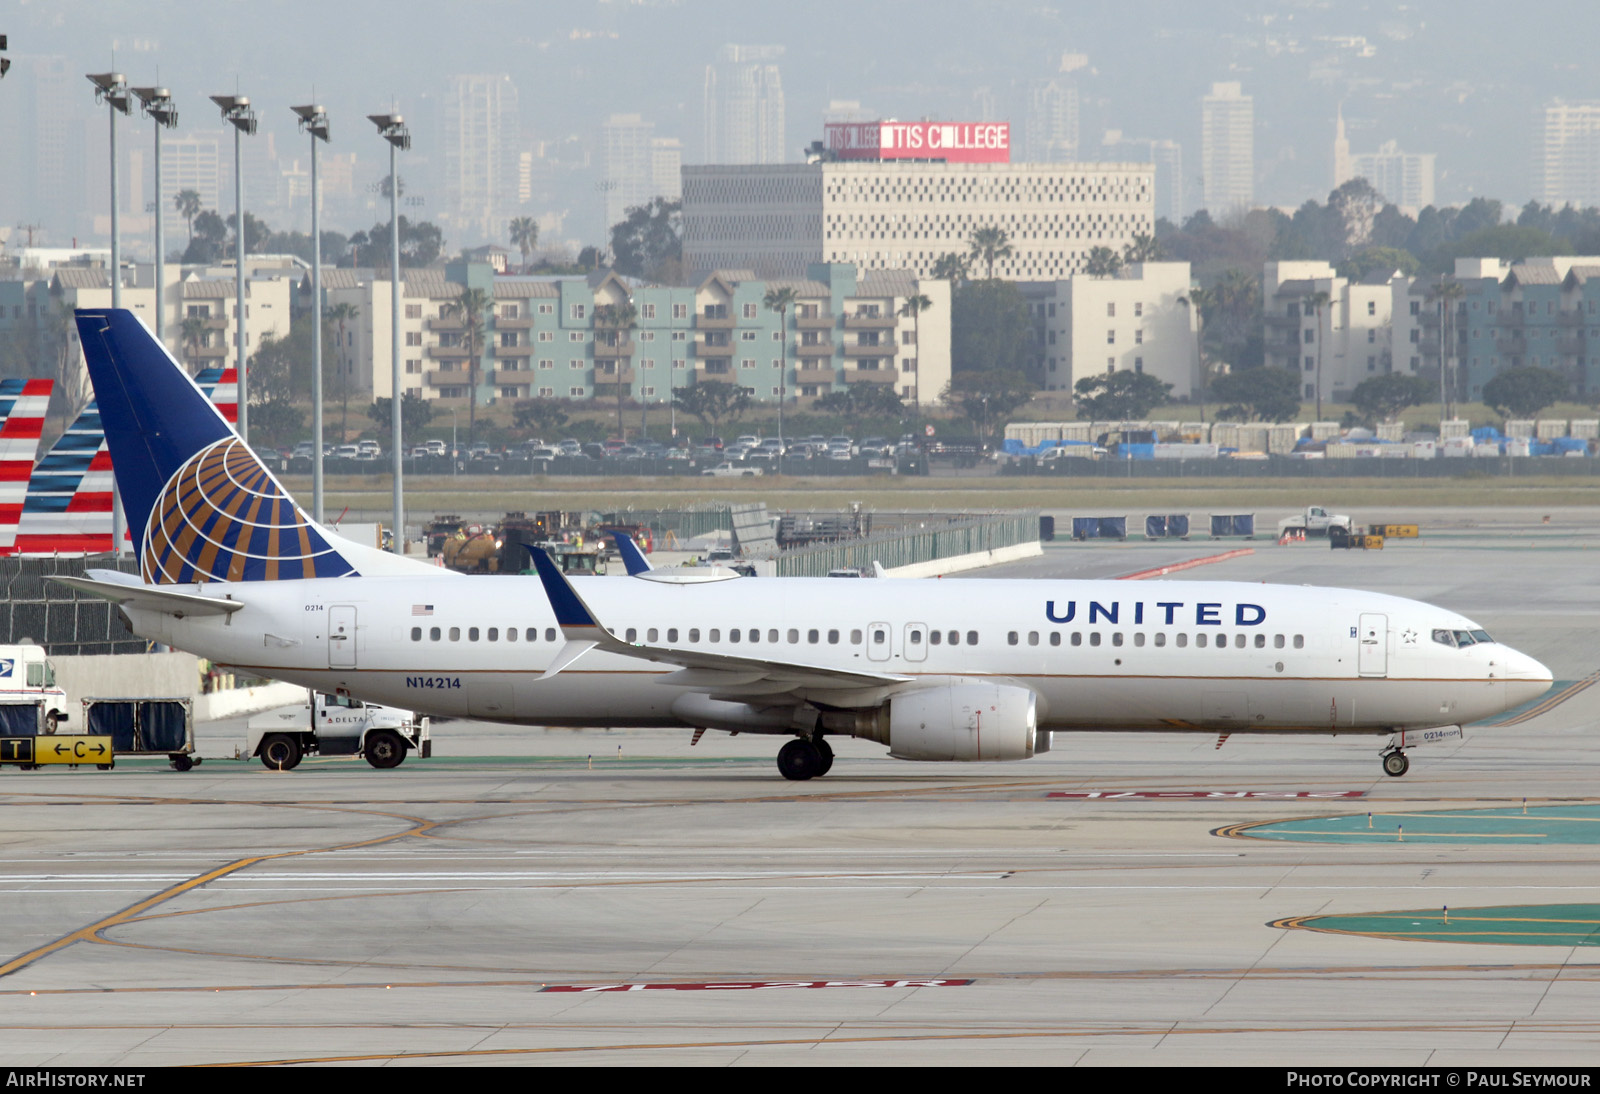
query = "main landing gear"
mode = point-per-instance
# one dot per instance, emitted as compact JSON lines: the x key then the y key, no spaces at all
{"x":801,"y":759}
{"x":1395,"y":763}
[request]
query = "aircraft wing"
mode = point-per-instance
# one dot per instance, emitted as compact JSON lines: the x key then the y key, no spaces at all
{"x":128,"y":591}
{"x":716,"y":673}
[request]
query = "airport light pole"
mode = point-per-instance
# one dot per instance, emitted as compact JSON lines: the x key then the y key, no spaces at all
{"x":111,"y":89}
{"x":392,"y":128}
{"x":314,"y":120}
{"x":156,"y":102}
{"x":236,"y":111}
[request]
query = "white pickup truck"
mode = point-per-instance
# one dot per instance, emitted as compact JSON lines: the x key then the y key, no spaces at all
{"x":1315,"y":521}
{"x":336,"y":725}
{"x":731,"y":471}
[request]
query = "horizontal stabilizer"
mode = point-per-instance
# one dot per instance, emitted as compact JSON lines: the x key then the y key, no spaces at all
{"x":131,"y":593}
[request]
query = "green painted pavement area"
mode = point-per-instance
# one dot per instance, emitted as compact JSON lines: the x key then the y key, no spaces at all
{"x":1511,"y":925}
{"x":1549,"y":824}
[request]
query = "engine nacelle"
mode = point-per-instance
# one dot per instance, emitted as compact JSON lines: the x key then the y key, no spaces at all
{"x":963,"y":722}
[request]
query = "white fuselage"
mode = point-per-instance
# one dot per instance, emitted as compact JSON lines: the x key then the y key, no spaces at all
{"x":1112,"y":655}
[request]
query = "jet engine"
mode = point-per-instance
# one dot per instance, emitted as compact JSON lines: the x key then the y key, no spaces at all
{"x":965,"y":721}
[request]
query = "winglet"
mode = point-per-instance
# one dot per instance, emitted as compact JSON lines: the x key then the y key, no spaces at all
{"x":632,"y":558}
{"x":577,"y":622}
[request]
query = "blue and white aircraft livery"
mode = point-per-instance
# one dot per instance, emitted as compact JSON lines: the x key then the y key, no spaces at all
{"x":234,"y":570}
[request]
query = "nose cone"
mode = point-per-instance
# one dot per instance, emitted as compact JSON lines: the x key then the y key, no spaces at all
{"x":1526,"y":678}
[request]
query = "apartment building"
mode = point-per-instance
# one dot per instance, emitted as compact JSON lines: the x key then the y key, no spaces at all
{"x":1133,"y":322}
{"x":547,"y":338}
{"x":1350,"y":339}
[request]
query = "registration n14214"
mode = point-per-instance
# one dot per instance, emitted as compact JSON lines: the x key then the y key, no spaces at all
{"x":433,"y":681}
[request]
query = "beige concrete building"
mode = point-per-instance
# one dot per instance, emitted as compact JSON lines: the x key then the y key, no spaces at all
{"x":1134,"y":322}
{"x":778,"y":220}
{"x":1355,"y":331}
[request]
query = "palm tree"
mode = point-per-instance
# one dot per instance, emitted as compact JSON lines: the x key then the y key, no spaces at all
{"x":780,"y":301}
{"x":1144,"y":248}
{"x":473,"y":307}
{"x":1316,"y":302}
{"x":1444,"y":296}
{"x":950,"y":267}
{"x":617,"y":320}
{"x":339,"y":314}
{"x":1198,"y":301}
{"x":1102,"y":262}
{"x":188,"y":205}
{"x":914,"y":306}
{"x":193,"y":332}
{"x":989,"y":244}
{"x":525,"y":237}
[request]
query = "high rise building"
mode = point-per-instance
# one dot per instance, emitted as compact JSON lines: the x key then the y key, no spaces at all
{"x":479,"y":130}
{"x":1404,"y":178}
{"x":1567,"y":160}
{"x":1052,"y":125}
{"x":1227,"y":148}
{"x":744,"y":119}
{"x":638,"y":165}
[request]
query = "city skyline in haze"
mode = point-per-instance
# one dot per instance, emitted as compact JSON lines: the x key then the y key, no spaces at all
{"x":1456,"y":82}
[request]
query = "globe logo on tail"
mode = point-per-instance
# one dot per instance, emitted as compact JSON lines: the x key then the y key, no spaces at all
{"x":223,"y":517}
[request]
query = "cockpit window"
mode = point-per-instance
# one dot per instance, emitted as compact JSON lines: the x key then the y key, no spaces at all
{"x":1461,"y":639}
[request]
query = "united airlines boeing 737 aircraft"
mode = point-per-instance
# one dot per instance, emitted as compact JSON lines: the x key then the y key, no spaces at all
{"x":233,"y":570}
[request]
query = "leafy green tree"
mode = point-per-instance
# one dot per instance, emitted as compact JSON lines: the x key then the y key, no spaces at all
{"x":991,"y":327}
{"x":1356,"y":204}
{"x":192,"y":331}
{"x":1123,"y":396}
{"x":421,"y":244}
{"x":1508,"y":241}
{"x":1387,"y":395}
{"x":542,"y":415}
{"x":713,"y":402}
{"x":1446,"y":296}
{"x":859,"y":402}
{"x":648,"y":242}
{"x":415,"y":414}
{"x":208,"y":232}
{"x":986,"y":396}
{"x":989,"y":245}
{"x":1524,"y":391}
{"x":280,"y":369}
{"x":276,"y":424}
{"x":1257,"y":394}
{"x":1102,"y":262}
{"x":1369,"y":260}
{"x":1199,"y":301}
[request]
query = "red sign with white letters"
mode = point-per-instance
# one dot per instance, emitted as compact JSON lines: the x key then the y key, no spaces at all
{"x":953,"y":142}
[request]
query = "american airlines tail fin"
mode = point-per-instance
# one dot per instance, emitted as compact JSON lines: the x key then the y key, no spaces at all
{"x":200,"y":505}
{"x":68,"y":507}
{"x":23,"y":404}
{"x":221,"y":386}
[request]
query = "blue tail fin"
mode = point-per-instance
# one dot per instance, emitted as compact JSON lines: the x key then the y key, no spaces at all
{"x":199,"y":503}
{"x":633,"y":559}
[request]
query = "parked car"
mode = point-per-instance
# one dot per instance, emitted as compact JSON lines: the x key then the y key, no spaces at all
{"x":732,"y":470}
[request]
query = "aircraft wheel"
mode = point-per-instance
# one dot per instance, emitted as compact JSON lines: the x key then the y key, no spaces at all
{"x":1395,"y":763}
{"x":825,"y":750}
{"x":800,"y":760}
{"x":385,"y":749}
{"x":280,"y":752}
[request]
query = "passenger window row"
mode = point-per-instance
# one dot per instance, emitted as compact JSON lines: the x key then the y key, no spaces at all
{"x":491,"y":634}
{"x":1201,"y":640}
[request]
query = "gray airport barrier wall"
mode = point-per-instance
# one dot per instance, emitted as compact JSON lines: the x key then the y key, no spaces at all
{"x":907,"y":544}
